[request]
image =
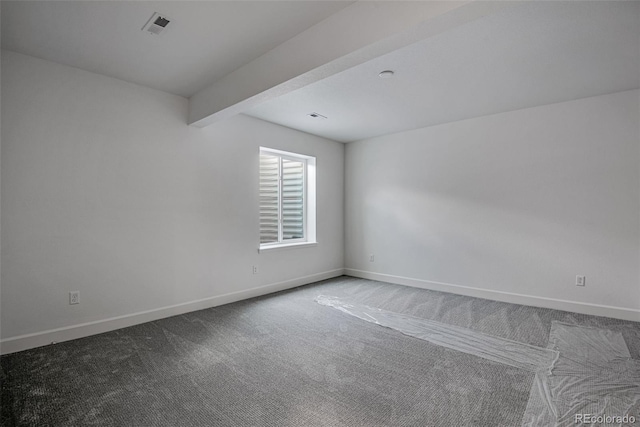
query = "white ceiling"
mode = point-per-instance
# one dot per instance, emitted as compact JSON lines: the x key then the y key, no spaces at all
{"x":523,"y":55}
{"x":527,"y":55}
{"x":204,"y":41}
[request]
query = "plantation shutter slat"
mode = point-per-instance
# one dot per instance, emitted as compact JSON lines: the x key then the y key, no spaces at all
{"x":269,"y":195}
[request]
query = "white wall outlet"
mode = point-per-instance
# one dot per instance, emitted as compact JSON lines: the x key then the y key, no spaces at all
{"x":371,"y":258}
{"x":580,"y":280}
{"x":74,"y":297}
{"x":255,"y":269}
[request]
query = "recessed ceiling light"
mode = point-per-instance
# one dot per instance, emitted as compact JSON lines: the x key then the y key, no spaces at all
{"x":316,"y":116}
{"x":385,"y":74}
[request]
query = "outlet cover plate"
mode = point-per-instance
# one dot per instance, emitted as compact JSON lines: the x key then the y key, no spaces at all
{"x":74,"y":297}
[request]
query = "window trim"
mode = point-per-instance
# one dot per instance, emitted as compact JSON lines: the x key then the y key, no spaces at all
{"x":308,"y":197}
{"x":273,"y":247}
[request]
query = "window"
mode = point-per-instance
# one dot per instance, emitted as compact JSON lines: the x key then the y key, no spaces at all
{"x":287,"y":199}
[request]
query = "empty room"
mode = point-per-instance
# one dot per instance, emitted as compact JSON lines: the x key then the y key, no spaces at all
{"x":320,"y":213}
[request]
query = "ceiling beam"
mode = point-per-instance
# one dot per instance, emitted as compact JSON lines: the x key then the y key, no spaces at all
{"x":358,"y":33}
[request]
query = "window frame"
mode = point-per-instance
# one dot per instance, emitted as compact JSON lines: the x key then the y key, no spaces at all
{"x":308,"y":201}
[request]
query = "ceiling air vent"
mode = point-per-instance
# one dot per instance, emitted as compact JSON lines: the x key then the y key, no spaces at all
{"x":156,"y":24}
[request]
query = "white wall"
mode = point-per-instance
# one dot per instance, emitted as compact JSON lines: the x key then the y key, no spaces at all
{"x":513,"y":203}
{"x":106,"y":190}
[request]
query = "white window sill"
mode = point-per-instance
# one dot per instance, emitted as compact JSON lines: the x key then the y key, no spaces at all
{"x":287,"y":246}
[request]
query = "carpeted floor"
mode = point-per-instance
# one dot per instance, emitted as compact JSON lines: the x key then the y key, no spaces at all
{"x":284,"y":360}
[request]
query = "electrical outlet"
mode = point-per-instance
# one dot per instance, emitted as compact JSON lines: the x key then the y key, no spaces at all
{"x":255,"y":269}
{"x":371,"y":258}
{"x":74,"y":297}
{"x":580,"y":280}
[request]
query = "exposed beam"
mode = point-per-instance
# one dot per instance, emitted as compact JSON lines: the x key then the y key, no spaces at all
{"x":356,"y":34}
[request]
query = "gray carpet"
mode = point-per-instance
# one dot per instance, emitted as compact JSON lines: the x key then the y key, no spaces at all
{"x":284,"y":360}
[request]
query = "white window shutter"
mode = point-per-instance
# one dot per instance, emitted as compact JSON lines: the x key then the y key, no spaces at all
{"x":269,"y":197}
{"x":292,"y":199}
{"x":287,"y":204}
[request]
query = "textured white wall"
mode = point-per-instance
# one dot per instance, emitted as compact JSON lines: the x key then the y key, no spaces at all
{"x":106,"y":190}
{"x":519,"y":202}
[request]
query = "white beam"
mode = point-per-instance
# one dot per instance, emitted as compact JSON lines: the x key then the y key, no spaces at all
{"x":356,"y":34}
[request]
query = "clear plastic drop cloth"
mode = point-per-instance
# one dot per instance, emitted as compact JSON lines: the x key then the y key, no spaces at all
{"x":583,"y":371}
{"x":501,"y":350}
{"x":594,"y":381}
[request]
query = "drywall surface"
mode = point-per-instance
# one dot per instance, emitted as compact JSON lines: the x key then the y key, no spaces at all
{"x":107,"y":191}
{"x":519,"y":202}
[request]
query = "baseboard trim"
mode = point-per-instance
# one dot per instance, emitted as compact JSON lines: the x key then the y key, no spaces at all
{"x":27,"y":341}
{"x":514,"y":298}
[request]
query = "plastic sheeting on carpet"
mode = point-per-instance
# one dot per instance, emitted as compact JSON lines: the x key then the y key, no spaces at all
{"x":512,"y":353}
{"x":584,"y":370}
{"x":594,"y":375}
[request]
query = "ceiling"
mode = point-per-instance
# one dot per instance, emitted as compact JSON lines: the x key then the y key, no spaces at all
{"x":204,"y":41}
{"x":523,"y":55}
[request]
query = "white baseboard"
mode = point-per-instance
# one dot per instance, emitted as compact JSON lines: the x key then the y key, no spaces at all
{"x":25,"y":342}
{"x":557,"y":304}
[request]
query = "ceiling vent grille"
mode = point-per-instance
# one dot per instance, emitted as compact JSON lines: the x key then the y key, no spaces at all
{"x":156,"y":24}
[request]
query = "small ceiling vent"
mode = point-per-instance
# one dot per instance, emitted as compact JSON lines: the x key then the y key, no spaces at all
{"x":156,"y":24}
